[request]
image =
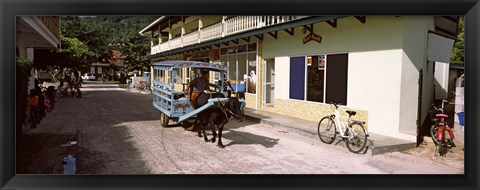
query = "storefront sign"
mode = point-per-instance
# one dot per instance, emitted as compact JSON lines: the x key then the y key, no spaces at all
{"x":312,"y":36}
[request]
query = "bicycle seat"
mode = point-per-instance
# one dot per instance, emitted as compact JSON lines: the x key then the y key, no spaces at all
{"x":441,"y":115}
{"x":351,"y":113}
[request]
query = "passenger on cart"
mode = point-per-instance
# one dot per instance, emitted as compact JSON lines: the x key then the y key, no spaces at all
{"x":227,"y":87}
{"x":197,"y":86}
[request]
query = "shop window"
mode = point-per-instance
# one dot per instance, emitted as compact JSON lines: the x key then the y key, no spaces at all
{"x":337,"y":73}
{"x":251,"y":72}
{"x":224,"y":60}
{"x":252,"y":47}
{"x":243,"y":76}
{"x":242,"y":48}
{"x":224,"y":51}
{"x":242,"y":63}
{"x":326,"y":77}
{"x":232,"y":50}
{"x":315,"y":78}
{"x":232,"y":69}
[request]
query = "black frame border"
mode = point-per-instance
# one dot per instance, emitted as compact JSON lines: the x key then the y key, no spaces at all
{"x":9,"y":9}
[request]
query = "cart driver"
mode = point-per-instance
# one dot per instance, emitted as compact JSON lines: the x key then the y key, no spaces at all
{"x":197,"y":86}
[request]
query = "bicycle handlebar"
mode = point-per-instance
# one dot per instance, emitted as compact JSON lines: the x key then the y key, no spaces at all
{"x":335,"y":104}
{"x":440,"y":109}
{"x":437,"y":109}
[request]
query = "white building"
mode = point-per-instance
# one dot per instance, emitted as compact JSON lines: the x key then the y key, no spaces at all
{"x":380,"y":66}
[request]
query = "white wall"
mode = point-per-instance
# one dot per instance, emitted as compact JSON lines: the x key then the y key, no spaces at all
{"x":415,"y":32}
{"x":374,"y":85}
{"x":282,"y":77}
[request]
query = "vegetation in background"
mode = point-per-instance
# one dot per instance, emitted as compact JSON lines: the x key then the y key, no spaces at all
{"x":105,"y":33}
{"x":458,"y":52}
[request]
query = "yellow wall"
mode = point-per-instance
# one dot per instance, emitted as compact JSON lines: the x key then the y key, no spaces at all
{"x":251,"y":101}
{"x":191,"y":25}
{"x":176,"y":31}
{"x":209,"y":20}
{"x":314,"y":111}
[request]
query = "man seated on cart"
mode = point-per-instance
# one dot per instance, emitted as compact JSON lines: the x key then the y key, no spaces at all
{"x":197,"y":86}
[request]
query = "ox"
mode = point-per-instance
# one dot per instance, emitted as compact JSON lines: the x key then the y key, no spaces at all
{"x":217,"y":116}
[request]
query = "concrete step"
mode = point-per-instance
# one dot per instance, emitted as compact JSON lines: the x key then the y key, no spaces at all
{"x":377,"y":144}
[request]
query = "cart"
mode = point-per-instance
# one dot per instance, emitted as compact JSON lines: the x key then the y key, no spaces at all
{"x":169,"y":81}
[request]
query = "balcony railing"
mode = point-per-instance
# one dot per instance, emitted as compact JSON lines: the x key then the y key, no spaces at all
{"x":241,"y":23}
{"x":164,"y":47}
{"x":211,"y":32}
{"x":155,"y":49}
{"x":190,"y":38}
{"x":231,"y":26}
{"x":175,"y":43}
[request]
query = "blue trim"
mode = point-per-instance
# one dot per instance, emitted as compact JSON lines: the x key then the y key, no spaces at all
{"x":297,"y":78}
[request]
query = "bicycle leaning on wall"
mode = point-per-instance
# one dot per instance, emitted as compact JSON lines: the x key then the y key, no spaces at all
{"x":352,"y":131}
{"x":437,"y":131}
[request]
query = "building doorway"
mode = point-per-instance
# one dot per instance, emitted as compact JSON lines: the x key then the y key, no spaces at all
{"x":268,"y":82}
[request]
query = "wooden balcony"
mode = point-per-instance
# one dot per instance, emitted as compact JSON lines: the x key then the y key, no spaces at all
{"x":231,"y":26}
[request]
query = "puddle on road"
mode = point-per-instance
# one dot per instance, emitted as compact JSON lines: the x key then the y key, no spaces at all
{"x":69,"y":143}
{"x":69,"y":165}
{"x":69,"y":161}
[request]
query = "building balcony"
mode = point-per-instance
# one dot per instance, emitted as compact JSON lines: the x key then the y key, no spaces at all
{"x":229,"y":27}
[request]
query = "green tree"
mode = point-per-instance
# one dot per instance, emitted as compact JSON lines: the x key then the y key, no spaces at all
{"x":105,"y":33}
{"x":72,"y":54}
{"x":458,"y":52}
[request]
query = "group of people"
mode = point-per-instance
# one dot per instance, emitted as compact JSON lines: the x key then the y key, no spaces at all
{"x":43,"y":101}
{"x":74,"y":82}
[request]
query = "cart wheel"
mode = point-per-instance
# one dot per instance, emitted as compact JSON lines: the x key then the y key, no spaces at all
{"x":164,"y":119}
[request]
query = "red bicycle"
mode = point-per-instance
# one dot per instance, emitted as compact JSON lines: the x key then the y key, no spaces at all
{"x":437,"y":131}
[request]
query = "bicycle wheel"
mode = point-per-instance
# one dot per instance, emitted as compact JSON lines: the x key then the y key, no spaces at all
{"x":433,"y":133}
{"x":357,"y":137}
{"x":327,"y":130}
{"x":442,"y":148}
